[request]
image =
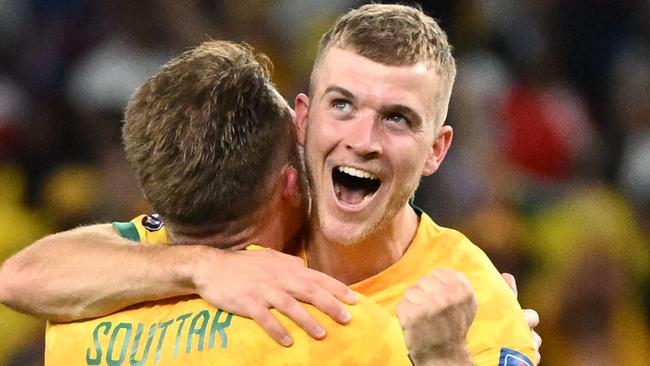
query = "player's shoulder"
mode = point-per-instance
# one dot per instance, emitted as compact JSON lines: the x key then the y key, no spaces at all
{"x":459,"y":249}
{"x":499,"y":333}
{"x":462,"y":255}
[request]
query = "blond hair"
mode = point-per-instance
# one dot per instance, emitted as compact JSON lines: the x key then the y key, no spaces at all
{"x":396,"y":35}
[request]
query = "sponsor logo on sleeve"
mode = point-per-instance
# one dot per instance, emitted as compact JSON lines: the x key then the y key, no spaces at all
{"x":152,"y":222}
{"x":509,"y":357}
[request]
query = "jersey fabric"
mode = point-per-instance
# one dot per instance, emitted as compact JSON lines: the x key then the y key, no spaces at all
{"x":188,"y":331}
{"x":499,"y":334}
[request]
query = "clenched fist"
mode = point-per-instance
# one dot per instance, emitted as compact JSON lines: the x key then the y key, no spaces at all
{"x":435,"y":315}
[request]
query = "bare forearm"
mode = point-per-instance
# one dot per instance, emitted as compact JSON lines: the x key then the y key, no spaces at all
{"x":89,"y":272}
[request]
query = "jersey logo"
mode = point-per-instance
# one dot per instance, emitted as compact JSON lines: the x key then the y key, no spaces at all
{"x":152,"y":222}
{"x":510,"y":357}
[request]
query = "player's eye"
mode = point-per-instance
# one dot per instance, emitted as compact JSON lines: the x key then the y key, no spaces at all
{"x":398,"y":119}
{"x":341,"y":105}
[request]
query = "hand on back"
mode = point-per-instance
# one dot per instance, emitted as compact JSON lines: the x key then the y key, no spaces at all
{"x":251,"y":282}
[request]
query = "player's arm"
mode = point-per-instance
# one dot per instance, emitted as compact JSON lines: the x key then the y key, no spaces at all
{"x":440,"y":304}
{"x":532,"y":318}
{"x":91,"y":271}
{"x":500,"y":333}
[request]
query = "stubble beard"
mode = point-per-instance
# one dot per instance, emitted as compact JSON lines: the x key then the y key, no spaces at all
{"x":381,"y":225}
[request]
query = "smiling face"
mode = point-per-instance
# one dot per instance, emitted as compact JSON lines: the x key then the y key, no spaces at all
{"x":370,"y":132}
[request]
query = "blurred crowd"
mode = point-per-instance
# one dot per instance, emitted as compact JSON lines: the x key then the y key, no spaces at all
{"x":549,"y":172}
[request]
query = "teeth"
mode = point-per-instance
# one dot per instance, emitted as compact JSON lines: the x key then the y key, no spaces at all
{"x":356,"y":172}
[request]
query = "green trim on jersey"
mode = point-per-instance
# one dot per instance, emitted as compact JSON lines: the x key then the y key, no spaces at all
{"x":127,"y":230}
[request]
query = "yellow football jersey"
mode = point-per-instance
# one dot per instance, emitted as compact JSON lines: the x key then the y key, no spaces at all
{"x":499,"y":334}
{"x":188,"y":331}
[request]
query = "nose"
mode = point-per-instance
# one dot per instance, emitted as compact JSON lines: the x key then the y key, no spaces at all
{"x":363,"y":137}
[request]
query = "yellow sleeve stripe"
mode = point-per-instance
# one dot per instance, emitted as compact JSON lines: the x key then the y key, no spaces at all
{"x":127,"y":230}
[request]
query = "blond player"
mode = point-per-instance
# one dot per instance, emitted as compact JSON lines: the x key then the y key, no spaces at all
{"x":376,"y":112}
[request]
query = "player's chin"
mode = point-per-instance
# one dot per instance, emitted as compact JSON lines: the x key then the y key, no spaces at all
{"x":344,"y":232}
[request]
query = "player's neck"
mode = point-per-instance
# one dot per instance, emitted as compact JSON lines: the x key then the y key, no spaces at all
{"x":280,"y":223}
{"x":230,"y":241}
{"x":351,"y":263}
{"x":231,"y":235}
{"x":277,"y":224}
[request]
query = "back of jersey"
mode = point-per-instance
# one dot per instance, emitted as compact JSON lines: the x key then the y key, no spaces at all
{"x":188,"y":331}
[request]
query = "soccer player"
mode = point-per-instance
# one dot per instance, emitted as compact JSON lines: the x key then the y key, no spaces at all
{"x":372,"y":125}
{"x":212,"y":144}
{"x":363,"y":179}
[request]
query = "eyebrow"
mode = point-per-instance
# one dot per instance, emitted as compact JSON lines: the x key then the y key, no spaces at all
{"x":337,"y":89}
{"x":412,"y":115}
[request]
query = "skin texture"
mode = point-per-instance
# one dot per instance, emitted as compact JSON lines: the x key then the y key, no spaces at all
{"x":443,"y":301}
{"x":376,"y":118}
{"x":380,"y":120}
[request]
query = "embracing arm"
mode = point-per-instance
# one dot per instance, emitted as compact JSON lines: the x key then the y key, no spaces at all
{"x":91,"y":271}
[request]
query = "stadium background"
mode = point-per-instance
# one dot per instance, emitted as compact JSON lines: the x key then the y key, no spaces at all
{"x":549,"y":171}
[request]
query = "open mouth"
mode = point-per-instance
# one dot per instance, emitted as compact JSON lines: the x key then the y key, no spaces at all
{"x":352,"y":186}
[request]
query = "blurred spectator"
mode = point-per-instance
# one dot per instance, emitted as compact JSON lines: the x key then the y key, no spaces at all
{"x":19,"y":226}
{"x":13,"y":104}
{"x":591,"y":259}
{"x":631,"y":82}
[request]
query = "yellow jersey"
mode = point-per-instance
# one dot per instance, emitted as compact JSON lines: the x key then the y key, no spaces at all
{"x":188,"y":331}
{"x":499,"y":334}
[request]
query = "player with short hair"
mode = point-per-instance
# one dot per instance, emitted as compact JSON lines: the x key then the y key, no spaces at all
{"x":204,"y":154}
{"x":187,"y":132}
{"x":372,"y":127}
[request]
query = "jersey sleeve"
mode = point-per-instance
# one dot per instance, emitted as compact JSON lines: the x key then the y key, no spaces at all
{"x":143,"y":229}
{"x":499,"y":334}
{"x":127,"y":230}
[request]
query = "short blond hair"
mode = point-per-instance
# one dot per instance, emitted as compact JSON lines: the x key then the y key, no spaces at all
{"x":396,"y":35}
{"x":205,"y":133}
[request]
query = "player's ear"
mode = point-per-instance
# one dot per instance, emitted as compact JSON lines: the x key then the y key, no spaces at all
{"x":291,"y":186}
{"x":302,"y":113}
{"x":439,"y":149}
